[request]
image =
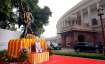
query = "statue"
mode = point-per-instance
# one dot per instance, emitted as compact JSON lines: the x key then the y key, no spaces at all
{"x":27,"y":20}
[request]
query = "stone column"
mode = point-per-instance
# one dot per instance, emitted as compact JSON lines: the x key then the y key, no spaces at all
{"x":89,"y":15}
{"x":81,"y":17}
{"x":98,"y":5}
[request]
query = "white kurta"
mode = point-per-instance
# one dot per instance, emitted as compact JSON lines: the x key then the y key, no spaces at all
{"x":38,"y":47}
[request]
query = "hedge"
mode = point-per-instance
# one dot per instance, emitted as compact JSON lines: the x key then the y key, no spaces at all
{"x":84,"y":55}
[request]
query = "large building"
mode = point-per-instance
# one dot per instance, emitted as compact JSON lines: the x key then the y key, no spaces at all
{"x":81,"y":23}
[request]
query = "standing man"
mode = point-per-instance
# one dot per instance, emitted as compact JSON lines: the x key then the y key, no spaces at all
{"x":38,"y":46}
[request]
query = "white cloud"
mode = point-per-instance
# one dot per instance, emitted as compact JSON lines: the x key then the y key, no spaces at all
{"x":58,"y":8}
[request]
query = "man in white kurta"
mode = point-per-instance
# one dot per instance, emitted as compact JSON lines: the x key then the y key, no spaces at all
{"x":38,"y":46}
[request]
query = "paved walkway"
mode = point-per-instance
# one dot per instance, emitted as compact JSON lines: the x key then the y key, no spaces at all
{"x":65,"y":50}
{"x":55,"y":59}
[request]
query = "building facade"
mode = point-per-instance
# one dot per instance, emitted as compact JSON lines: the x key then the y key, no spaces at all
{"x":81,"y":23}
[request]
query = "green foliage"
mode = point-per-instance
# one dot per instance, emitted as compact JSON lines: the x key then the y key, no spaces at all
{"x":3,"y":52}
{"x":23,"y":57}
{"x":85,"y":55}
{"x":6,"y":15}
{"x":40,"y":15}
{"x":5,"y":12}
{"x":5,"y":58}
{"x":5,"y":9}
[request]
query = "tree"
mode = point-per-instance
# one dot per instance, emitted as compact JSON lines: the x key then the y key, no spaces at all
{"x":41,"y":18}
{"x":40,"y":15}
{"x":6,"y":15}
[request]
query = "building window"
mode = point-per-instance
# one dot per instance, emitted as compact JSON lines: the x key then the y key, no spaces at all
{"x":94,"y":21}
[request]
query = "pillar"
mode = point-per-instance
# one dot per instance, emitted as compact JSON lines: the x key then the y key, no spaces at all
{"x":89,"y":15}
{"x":81,"y":17}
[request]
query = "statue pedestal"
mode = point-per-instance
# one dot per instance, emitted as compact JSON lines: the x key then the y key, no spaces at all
{"x":16,"y":45}
{"x":38,"y":58}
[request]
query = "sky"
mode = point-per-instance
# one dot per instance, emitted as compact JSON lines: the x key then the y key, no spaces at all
{"x":58,"y":8}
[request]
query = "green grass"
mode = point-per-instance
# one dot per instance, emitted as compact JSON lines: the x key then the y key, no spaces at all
{"x":84,"y":55}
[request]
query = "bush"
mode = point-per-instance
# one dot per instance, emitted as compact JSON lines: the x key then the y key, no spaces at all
{"x":85,"y":55}
{"x":22,"y":57}
{"x":4,"y":59}
{"x":3,"y":52}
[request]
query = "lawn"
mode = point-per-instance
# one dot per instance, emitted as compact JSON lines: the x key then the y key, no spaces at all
{"x":79,"y":54}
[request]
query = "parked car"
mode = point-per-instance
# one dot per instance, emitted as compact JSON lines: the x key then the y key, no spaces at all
{"x":55,"y":46}
{"x":85,"y":47}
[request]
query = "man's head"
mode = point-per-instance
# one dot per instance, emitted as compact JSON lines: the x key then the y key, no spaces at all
{"x":37,"y":39}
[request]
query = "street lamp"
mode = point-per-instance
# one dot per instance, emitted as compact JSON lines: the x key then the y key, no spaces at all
{"x":100,"y":14}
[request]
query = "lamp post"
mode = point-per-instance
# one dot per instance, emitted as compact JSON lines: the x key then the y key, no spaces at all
{"x":100,"y":14}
